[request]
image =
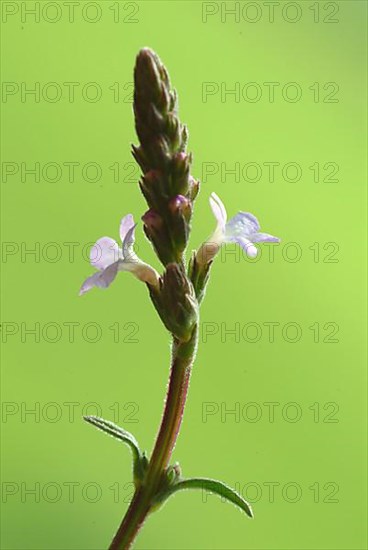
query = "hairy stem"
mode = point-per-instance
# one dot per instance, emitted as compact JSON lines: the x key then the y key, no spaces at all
{"x":183,"y":354}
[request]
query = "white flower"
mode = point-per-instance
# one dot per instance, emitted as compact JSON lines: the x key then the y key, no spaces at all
{"x":242,"y":229}
{"x":109,"y":258}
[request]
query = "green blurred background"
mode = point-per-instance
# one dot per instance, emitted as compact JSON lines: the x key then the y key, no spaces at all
{"x":301,"y":466}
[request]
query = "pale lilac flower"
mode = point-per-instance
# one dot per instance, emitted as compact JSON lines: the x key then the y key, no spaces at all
{"x":242,"y":229}
{"x":109,"y":258}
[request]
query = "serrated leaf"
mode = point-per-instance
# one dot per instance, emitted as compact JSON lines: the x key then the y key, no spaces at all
{"x":211,"y":485}
{"x":117,"y":432}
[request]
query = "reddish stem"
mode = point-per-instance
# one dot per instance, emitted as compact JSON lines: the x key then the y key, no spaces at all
{"x":182,"y":360}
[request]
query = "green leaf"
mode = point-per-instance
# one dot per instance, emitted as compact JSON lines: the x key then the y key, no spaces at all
{"x":211,"y":485}
{"x":140,"y":461}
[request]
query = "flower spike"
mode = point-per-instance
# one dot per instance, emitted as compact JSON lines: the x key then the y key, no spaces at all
{"x":166,"y":183}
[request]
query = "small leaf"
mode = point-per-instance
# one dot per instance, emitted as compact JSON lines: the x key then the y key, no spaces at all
{"x":211,"y":485}
{"x":139,"y":459}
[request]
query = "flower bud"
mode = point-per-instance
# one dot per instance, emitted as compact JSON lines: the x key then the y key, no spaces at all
{"x":152,"y":220}
{"x":152,"y":177}
{"x":156,"y":231}
{"x":182,"y":205}
{"x":181,"y":163}
{"x":151,"y":187}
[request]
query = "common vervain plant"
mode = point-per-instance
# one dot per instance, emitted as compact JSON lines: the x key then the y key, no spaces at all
{"x":170,"y":192}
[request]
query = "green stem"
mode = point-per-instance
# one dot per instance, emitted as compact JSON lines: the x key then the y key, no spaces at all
{"x":183,"y":354}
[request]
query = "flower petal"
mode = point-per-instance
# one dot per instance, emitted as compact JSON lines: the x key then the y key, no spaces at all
{"x":128,"y":242}
{"x":242,"y":224}
{"x":104,"y":253}
{"x":125,"y":225}
{"x":246,"y":245}
{"x":218,"y":209}
{"x":89,"y":283}
{"x":101,"y":279}
{"x":108,"y":275}
{"x":141,"y":270}
{"x":264,"y":238}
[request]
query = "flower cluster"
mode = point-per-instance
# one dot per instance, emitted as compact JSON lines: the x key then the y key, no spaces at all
{"x":170,"y":192}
